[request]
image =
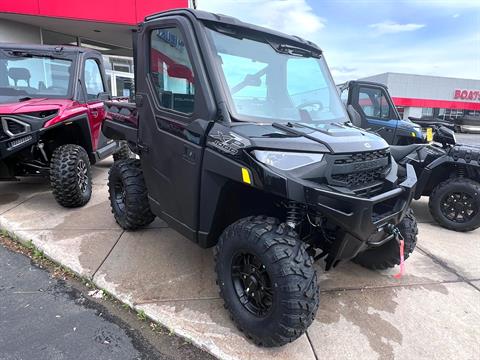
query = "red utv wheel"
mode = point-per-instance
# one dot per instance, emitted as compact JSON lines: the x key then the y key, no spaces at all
{"x":70,"y":176}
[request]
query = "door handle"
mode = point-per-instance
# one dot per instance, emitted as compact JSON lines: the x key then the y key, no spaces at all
{"x":189,"y":154}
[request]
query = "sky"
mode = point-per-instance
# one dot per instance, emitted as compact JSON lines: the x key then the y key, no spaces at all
{"x":367,"y":37}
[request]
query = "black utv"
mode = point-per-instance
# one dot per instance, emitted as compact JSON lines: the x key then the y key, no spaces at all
{"x":245,"y":145}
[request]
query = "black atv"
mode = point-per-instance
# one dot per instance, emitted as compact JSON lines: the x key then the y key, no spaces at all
{"x":450,"y":175}
{"x":245,"y":145}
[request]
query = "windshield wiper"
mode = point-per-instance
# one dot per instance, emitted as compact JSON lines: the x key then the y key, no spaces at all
{"x":25,"y":98}
{"x":296,"y":51}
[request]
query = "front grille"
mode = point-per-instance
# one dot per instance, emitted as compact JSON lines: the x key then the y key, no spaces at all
{"x":362,"y":173}
{"x":361,"y":178}
{"x":363,"y":156}
{"x":19,"y":141}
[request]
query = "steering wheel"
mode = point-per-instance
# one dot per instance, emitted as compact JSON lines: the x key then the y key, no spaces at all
{"x":311,"y":103}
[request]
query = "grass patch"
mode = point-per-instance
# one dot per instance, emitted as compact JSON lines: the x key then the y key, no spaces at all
{"x":141,"y":315}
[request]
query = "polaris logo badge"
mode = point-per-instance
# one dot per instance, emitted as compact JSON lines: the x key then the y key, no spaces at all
{"x":368,"y":145}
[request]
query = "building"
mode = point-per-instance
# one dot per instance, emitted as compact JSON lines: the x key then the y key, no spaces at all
{"x":432,"y":97}
{"x":103,"y":25}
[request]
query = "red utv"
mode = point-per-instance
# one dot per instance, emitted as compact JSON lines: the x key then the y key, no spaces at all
{"x":51,"y":112}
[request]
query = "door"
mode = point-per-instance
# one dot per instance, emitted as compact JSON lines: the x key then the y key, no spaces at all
{"x":171,"y":92}
{"x":94,"y":88}
{"x":375,"y":108}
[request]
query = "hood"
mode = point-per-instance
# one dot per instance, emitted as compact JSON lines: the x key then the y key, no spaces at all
{"x":33,"y":105}
{"x":334,"y":138}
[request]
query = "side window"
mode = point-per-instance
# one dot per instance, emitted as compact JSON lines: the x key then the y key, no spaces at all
{"x":171,"y":70}
{"x":374,"y":103}
{"x":93,"y":79}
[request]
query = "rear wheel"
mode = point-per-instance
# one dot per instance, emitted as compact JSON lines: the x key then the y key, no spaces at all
{"x":388,"y":255}
{"x":267,"y":280}
{"x":123,"y":152}
{"x":128,"y":195}
{"x":70,"y":176}
{"x":455,"y":204}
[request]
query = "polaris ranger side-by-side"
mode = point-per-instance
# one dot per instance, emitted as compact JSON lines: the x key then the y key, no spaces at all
{"x":51,"y":112}
{"x":245,"y":145}
{"x":370,"y":102}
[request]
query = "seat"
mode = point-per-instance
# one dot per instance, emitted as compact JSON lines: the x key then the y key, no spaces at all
{"x":401,"y":151}
{"x":355,"y":117}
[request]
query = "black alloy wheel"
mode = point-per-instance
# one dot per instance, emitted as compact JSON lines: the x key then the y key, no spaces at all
{"x":252,"y":283}
{"x":267,"y":280}
{"x":455,"y":204}
{"x":459,"y":207}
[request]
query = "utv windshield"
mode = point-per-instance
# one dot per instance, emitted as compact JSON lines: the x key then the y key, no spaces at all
{"x":276,"y":82}
{"x":24,"y":76}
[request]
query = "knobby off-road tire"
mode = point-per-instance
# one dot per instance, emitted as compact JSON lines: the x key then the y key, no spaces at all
{"x":388,"y":255}
{"x":286,"y":269}
{"x":460,"y":189}
{"x":70,"y":176}
{"x":123,"y":153}
{"x":128,"y":195}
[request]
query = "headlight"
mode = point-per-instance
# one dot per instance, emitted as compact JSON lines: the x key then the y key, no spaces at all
{"x":287,"y":160}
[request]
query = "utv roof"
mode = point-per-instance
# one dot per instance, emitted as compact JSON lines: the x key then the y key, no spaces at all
{"x":231,"y":21}
{"x":59,"y":49}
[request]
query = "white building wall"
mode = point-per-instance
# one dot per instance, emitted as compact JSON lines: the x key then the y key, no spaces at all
{"x":424,"y":86}
{"x":14,"y":32}
{"x":415,"y":112}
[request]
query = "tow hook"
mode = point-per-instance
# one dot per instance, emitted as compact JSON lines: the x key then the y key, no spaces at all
{"x":393,"y":230}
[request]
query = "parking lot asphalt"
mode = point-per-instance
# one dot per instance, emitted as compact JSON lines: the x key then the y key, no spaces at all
{"x":432,"y":312}
{"x":44,"y":318}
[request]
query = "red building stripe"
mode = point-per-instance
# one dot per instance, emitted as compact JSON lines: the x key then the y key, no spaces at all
{"x":128,"y":12}
{"x":440,"y":104}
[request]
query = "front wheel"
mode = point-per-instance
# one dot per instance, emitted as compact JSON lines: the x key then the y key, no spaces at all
{"x":70,"y":176}
{"x":388,"y":255}
{"x":128,"y":195}
{"x":455,"y":204}
{"x":267,"y":280}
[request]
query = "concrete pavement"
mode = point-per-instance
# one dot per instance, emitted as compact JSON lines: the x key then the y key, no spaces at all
{"x":432,"y":312}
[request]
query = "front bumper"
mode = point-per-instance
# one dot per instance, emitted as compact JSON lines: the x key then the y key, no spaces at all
{"x":362,"y":221}
{"x":13,"y":145}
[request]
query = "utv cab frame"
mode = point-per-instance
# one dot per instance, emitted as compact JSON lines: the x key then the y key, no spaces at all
{"x":245,"y":145}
